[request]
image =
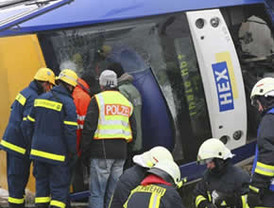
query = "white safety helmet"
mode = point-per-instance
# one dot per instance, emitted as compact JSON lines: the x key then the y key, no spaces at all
{"x":150,"y":158}
{"x":108,"y":78}
{"x":264,"y":87}
{"x":164,"y":167}
{"x":213,"y":148}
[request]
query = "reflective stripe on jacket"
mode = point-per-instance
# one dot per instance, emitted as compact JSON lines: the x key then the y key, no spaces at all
{"x":114,"y":113}
{"x":262,"y":165}
{"x":154,"y":196}
{"x":14,"y":140}
{"x":228,"y":188}
{"x":54,"y":126}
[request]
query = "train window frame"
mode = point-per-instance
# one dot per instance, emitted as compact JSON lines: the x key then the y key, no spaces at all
{"x":174,"y":78}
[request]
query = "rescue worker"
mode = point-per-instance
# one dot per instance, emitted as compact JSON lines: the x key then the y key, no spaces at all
{"x":133,"y":176}
{"x":158,"y":189}
{"x":53,"y":146}
{"x":223,"y":184}
{"x":109,"y":126}
{"x":81,"y":97}
{"x":262,"y":184}
{"x":126,"y":87}
{"x":14,"y":141}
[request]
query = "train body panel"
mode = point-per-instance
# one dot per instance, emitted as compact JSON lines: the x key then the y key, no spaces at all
{"x":17,"y":70}
{"x":191,"y":62}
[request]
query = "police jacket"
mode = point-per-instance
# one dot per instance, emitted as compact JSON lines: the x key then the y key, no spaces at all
{"x":102,"y":148}
{"x":264,"y":161}
{"x":154,"y":192}
{"x":54,"y":126}
{"x":14,"y":140}
{"x":130,"y":179}
{"x":81,"y":100}
{"x":225,"y":188}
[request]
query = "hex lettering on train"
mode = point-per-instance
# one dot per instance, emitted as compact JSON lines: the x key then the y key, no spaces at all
{"x":117,"y":109}
{"x":223,"y":86}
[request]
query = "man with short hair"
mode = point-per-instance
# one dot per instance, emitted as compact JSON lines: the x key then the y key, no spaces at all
{"x":109,"y":126}
{"x":14,"y":141}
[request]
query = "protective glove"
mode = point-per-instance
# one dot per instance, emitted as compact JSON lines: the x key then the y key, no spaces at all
{"x":254,"y":199}
{"x":227,"y":200}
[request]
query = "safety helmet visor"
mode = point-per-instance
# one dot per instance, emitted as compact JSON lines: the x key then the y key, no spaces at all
{"x":204,"y":161}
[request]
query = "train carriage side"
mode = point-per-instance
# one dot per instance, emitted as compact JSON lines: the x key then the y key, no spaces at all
{"x":194,"y":70}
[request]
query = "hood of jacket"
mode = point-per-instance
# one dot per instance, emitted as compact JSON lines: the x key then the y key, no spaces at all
{"x":82,"y":85}
{"x":125,"y":78}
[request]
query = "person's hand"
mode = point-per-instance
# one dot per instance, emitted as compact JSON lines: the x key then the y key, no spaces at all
{"x":253,"y":199}
{"x":230,"y":200}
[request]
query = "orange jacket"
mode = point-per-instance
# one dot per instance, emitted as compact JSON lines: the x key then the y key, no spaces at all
{"x":81,"y":100}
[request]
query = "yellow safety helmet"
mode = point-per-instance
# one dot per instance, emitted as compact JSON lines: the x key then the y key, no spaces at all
{"x":68,"y":76}
{"x":264,"y":87}
{"x":213,"y":148}
{"x":46,"y":75}
{"x":150,"y":158}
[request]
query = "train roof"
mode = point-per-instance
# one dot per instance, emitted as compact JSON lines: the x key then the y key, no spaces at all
{"x":86,"y":12}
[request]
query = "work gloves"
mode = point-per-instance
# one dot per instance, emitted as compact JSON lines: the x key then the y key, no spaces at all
{"x":221,"y":199}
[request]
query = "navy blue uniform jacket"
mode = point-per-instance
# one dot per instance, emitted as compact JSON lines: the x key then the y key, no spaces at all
{"x":13,"y":140}
{"x":54,"y":125}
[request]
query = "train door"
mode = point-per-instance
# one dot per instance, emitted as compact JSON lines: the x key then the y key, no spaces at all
{"x":221,"y":76}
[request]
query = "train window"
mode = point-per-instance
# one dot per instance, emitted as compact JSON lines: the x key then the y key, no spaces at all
{"x":160,"y":44}
{"x":251,"y":33}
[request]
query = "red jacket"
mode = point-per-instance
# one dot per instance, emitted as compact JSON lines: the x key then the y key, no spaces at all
{"x":81,"y":100}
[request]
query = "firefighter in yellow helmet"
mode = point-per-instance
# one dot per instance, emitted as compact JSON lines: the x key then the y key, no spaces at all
{"x":108,"y":127}
{"x":52,"y":127}
{"x":262,"y":184}
{"x":158,"y":188}
{"x":223,"y":185}
{"x":15,"y":142}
